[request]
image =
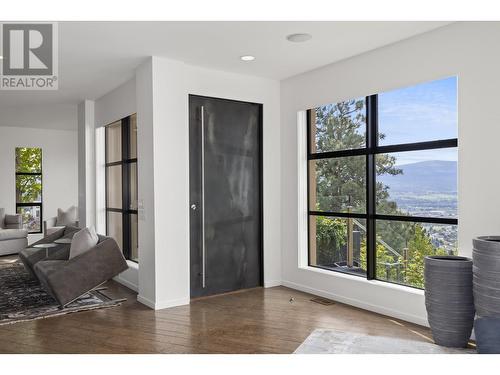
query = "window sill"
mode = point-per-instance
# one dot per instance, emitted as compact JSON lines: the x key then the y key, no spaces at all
{"x":362,"y":280}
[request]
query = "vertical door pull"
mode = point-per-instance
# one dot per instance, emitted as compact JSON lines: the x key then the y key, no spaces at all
{"x":203,"y":250}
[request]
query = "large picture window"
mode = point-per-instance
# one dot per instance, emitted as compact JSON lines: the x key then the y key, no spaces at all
{"x":121,"y":185}
{"x":382,"y":182}
{"x":29,"y":187}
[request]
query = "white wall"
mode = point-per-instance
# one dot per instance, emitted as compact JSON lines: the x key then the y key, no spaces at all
{"x":167,"y":118}
{"x":468,"y":50}
{"x":117,"y":104}
{"x":40,"y":116}
{"x":59,"y":166}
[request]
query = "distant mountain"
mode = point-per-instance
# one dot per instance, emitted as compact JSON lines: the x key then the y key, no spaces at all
{"x":434,"y":176}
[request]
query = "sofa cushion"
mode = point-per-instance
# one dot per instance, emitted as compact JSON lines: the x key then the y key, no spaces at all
{"x":83,"y":241}
{"x":31,"y":256}
{"x":68,"y":217}
{"x":11,"y":234}
{"x":14,"y":246}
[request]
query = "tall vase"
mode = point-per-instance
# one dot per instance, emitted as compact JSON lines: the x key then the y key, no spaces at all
{"x":486,"y":287}
{"x":449,"y":300}
{"x":486,"y":275}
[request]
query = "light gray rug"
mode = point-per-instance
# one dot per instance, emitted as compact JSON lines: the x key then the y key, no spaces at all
{"x":325,"y":341}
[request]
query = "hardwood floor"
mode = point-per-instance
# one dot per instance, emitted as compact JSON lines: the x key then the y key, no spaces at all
{"x":253,"y":321}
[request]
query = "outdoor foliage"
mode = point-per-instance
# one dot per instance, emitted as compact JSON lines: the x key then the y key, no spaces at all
{"x":330,"y":239}
{"x":29,"y":183}
{"x":28,"y":187}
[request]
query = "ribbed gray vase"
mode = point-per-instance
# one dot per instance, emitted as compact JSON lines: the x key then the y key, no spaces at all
{"x":486,"y":275}
{"x":449,"y":300}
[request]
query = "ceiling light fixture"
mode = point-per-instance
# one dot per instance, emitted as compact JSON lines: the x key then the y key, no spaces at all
{"x":247,"y":58}
{"x":1,"y":57}
{"x":299,"y":37}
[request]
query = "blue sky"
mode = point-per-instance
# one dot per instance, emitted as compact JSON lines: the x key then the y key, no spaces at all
{"x":423,"y":112}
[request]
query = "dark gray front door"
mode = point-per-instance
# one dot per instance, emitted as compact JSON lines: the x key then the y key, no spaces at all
{"x":225,"y":195}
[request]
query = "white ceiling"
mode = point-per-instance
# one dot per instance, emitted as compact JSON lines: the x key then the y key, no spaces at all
{"x":96,"y":57}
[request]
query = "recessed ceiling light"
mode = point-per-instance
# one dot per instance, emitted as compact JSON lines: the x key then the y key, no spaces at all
{"x":247,"y":58}
{"x":1,"y":57}
{"x":298,"y":38}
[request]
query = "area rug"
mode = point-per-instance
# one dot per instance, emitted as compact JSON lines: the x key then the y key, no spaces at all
{"x":22,"y":298}
{"x":325,"y":341}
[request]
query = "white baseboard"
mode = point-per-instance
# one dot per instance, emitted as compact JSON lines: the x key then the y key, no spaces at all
{"x":126,"y":283}
{"x":358,"y":303}
{"x":271,"y":283}
{"x":162,"y":304}
{"x":146,"y":301}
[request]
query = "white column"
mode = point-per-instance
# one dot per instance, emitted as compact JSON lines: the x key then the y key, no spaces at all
{"x":86,"y":163}
{"x":146,"y":202}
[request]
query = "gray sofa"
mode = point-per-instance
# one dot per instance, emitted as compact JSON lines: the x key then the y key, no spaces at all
{"x":67,"y":279}
{"x":13,"y":237}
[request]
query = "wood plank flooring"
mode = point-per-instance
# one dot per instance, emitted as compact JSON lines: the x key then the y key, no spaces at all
{"x":253,"y":321}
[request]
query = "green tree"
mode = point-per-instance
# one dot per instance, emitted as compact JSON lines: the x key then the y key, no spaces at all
{"x":341,"y":182}
{"x":330,"y":239}
{"x":28,"y":186}
{"x":419,"y":247}
{"x":386,"y":267}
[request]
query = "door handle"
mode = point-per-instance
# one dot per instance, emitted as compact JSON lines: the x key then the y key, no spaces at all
{"x":203,"y":249}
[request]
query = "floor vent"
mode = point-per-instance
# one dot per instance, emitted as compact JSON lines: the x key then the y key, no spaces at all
{"x":323,"y":301}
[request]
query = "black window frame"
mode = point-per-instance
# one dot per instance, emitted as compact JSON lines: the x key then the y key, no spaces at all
{"x":370,"y":151}
{"x":125,"y":163}
{"x":32,"y":204}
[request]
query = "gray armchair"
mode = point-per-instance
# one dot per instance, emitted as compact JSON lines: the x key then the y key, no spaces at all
{"x":50,"y":225}
{"x":63,"y":218}
{"x":13,"y":236}
{"x":68,"y":279}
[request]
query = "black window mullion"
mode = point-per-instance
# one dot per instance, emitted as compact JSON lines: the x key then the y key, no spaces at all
{"x":371,"y":172}
{"x":126,"y":232}
{"x":308,"y":136}
{"x":338,"y":214}
{"x":375,"y":149}
{"x":418,"y":146}
{"x":418,"y":219}
{"x":337,"y":154}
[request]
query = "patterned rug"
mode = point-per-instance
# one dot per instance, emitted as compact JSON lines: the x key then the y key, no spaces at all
{"x":328,"y":341}
{"x":22,"y":298}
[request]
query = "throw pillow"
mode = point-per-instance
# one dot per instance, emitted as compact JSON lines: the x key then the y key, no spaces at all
{"x":13,"y":222}
{"x":2,"y":215}
{"x":13,"y":219}
{"x":83,"y":241}
{"x":68,"y":217}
